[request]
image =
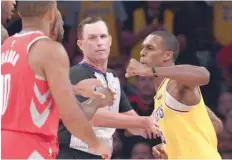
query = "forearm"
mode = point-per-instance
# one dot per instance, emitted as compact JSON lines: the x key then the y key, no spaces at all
{"x":134,"y":131}
{"x":183,"y":74}
{"x":89,"y":108}
{"x":71,"y":115}
{"x":104,"y":118}
{"x":217,"y":123}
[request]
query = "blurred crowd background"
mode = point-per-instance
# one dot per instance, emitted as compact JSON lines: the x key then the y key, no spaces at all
{"x":204,"y":30}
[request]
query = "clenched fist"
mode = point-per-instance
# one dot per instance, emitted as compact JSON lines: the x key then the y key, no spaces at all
{"x":135,"y":68}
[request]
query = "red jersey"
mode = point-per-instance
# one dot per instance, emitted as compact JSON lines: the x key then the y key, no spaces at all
{"x":27,"y":104}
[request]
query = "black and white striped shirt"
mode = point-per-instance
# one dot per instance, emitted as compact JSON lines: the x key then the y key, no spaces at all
{"x":83,"y":71}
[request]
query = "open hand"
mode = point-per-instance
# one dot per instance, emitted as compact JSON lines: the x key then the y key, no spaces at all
{"x":135,"y":68}
{"x":109,"y":97}
{"x":87,"y":88}
{"x":152,"y":129}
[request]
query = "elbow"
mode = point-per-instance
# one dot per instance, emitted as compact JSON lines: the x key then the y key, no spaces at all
{"x":218,"y":126}
{"x":205,"y":76}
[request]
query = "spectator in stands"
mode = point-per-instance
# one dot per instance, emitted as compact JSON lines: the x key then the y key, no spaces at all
{"x":141,"y":150}
{"x":118,"y":64}
{"x":117,"y":146}
{"x":76,"y":59}
{"x":143,"y":19}
{"x":143,"y":102}
{"x":224,"y":59}
{"x":206,"y":51}
{"x":225,"y":138}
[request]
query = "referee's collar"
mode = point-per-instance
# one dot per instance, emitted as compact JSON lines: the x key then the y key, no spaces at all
{"x":95,"y":69}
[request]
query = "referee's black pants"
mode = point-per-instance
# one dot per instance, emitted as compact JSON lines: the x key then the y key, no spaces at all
{"x":70,"y":153}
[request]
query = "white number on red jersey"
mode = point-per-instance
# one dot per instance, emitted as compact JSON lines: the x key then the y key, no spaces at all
{"x":6,"y":79}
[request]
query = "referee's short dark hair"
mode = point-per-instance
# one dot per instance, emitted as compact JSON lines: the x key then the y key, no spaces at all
{"x":88,"y":20}
{"x":170,"y":42}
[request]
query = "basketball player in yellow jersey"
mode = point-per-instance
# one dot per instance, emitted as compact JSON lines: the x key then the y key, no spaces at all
{"x":187,"y":131}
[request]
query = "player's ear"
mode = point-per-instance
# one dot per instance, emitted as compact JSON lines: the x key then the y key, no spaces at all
{"x":51,"y":15}
{"x":79,"y":44}
{"x":168,"y":55}
{"x":110,"y":40}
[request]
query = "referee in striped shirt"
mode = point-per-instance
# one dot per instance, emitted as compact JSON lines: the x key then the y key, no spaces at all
{"x":95,"y":41}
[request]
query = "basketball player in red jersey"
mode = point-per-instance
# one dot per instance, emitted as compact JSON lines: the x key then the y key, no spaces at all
{"x":35,"y":77}
{"x":7,"y":11}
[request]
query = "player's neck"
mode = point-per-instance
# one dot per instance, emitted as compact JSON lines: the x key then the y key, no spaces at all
{"x":98,"y":65}
{"x":33,"y":25}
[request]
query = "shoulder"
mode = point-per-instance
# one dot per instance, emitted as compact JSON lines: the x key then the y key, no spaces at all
{"x":49,"y":53}
{"x":80,"y":69}
{"x":79,"y":72}
{"x":49,"y":48}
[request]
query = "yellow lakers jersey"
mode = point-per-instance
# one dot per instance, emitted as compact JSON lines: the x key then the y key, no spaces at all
{"x":222,"y":22}
{"x":185,"y":134}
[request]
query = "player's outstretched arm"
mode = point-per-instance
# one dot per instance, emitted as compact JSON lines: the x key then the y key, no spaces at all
{"x":104,"y":118}
{"x":56,"y":69}
{"x":187,"y":75}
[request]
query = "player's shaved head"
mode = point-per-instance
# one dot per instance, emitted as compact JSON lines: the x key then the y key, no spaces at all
{"x":33,"y":8}
{"x":170,"y":42}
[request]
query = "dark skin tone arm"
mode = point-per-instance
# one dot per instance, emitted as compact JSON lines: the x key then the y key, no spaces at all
{"x":184,"y":83}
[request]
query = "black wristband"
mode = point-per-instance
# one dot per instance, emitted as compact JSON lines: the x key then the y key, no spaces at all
{"x":154,"y":72}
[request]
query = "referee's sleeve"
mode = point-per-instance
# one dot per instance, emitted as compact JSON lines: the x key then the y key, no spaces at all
{"x":76,"y":75}
{"x":124,"y":105}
